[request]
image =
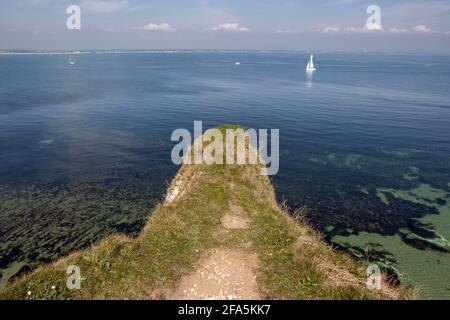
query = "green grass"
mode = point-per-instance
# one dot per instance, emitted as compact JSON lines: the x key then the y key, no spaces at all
{"x":293,"y":263}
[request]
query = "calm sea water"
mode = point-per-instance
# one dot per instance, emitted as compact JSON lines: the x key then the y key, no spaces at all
{"x":365,"y":146}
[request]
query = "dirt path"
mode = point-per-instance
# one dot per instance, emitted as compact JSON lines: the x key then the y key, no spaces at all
{"x":227,"y":273}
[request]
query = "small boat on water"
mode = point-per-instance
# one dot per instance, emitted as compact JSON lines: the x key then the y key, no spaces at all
{"x":71,"y":62}
{"x":310,"y":66}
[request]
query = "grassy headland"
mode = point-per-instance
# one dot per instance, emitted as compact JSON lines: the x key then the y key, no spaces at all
{"x":291,"y":260}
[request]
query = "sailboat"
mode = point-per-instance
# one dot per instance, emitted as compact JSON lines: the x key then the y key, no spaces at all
{"x":310,"y":67}
{"x":71,"y":62}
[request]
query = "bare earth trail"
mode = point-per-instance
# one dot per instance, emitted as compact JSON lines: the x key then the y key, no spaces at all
{"x":226,"y":273}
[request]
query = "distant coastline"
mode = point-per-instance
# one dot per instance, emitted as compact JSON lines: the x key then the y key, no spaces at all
{"x":140,"y":51}
{"x":6,"y":52}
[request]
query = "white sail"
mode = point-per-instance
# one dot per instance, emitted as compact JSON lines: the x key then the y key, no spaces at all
{"x":310,"y":66}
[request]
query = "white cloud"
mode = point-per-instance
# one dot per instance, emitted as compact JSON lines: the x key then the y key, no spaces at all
{"x":373,"y":27}
{"x":103,"y":6}
{"x":397,"y":30}
{"x":353,"y":29}
{"x":366,"y":28}
{"x":230,"y":27}
{"x":157,"y":27}
{"x":331,"y":29}
{"x":281,"y":31}
{"x":421,"y":28}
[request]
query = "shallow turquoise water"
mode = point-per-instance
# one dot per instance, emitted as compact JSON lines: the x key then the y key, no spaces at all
{"x":85,"y":149}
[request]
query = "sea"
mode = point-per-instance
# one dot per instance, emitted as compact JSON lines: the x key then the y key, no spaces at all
{"x":85,"y":149}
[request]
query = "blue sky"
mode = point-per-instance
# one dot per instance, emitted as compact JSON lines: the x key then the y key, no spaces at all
{"x":406,"y":26}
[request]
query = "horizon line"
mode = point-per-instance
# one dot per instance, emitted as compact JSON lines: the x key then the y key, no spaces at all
{"x":87,"y":51}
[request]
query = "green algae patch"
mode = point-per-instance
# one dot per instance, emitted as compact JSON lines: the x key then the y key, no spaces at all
{"x":381,"y":193}
{"x":351,"y":161}
{"x":416,"y":255}
{"x":427,"y":270}
{"x":365,"y":191}
{"x":429,"y":196}
{"x":317,"y":160}
{"x":424,"y":194}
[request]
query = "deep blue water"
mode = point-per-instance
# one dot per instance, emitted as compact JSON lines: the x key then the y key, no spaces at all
{"x":85,"y":149}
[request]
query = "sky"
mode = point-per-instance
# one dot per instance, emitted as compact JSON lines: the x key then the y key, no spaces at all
{"x":417,"y":26}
